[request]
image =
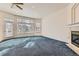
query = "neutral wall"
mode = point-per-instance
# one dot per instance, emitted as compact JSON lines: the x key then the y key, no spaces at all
{"x":54,"y":25}
{"x":1,"y":30}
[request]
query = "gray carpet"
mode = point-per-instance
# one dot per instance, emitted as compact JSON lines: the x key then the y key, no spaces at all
{"x":40,"y":46}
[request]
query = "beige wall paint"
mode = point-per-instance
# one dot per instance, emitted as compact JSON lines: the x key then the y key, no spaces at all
{"x":53,"y":25}
{"x":57,"y":24}
{"x":1,"y":30}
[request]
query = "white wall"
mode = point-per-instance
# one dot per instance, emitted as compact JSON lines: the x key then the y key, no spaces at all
{"x":53,"y":25}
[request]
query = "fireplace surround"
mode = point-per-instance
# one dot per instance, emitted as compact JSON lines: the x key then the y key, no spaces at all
{"x":75,"y":38}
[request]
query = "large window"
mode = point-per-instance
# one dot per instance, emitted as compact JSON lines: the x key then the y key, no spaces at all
{"x":8,"y":28}
{"x":24,"y":25}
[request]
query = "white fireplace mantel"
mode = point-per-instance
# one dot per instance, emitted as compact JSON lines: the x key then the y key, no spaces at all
{"x":74,"y":48}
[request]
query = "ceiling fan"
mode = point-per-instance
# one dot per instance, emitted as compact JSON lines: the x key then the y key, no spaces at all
{"x":17,"y":5}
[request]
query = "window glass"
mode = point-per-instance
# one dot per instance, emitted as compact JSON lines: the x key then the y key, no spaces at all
{"x":8,"y":25}
{"x":25,"y":25}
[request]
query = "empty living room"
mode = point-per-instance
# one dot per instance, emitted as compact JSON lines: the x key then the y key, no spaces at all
{"x":39,"y":29}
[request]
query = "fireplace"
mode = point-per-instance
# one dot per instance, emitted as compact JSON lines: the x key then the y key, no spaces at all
{"x":75,"y":38}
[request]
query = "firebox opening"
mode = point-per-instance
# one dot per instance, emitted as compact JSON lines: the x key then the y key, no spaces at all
{"x":75,"y":38}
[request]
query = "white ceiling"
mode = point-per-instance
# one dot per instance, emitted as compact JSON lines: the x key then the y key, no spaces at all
{"x":35,"y":10}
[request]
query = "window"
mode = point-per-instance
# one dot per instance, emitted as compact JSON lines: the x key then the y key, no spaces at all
{"x":8,"y":27}
{"x":24,"y":25}
{"x":37,"y":26}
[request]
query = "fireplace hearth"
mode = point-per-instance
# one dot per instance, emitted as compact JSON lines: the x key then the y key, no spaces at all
{"x":75,"y":38}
